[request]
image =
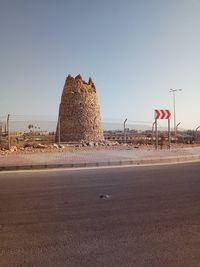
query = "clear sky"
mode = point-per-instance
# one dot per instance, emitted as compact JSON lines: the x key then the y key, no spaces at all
{"x":135,"y":51}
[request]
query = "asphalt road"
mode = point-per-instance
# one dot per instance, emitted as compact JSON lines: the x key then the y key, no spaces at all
{"x":151,"y":217}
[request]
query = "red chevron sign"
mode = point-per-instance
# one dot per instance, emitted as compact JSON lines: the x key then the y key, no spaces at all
{"x":162,"y":114}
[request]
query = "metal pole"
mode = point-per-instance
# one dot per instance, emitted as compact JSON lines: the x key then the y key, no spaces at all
{"x":5,"y":129}
{"x":1,"y":129}
{"x":8,"y":130}
{"x":152,"y":132}
{"x":169,"y":133}
{"x":156,"y":128}
{"x":177,"y":131}
{"x":125,"y":130}
{"x":174,"y":104}
{"x":177,"y":126}
{"x":196,"y":133}
{"x":174,"y":101}
{"x":59,"y":130}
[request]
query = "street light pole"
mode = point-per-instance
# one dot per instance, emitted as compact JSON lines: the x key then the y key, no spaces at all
{"x":174,"y":105}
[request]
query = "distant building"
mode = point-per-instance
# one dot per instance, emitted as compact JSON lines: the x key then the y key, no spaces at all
{"x":132,"y":136}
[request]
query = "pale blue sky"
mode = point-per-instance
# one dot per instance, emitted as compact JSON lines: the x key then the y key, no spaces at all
{"x":135,"y":51}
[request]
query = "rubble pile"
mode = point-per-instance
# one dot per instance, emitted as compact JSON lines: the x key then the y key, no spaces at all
{"x":32,"y":148}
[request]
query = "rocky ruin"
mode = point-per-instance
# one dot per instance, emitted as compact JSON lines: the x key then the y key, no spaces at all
{"x":79,"y":113}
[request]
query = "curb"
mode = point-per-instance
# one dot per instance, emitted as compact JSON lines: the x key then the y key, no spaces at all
{"x":169,"y":160}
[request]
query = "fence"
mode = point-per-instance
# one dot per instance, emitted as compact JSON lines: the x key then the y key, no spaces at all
{"x":20,"y":129}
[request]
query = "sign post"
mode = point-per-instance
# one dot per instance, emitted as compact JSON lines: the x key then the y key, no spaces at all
{"x":169,"y":133}
{"x":156,"y":130}
{"x":162,"y":114}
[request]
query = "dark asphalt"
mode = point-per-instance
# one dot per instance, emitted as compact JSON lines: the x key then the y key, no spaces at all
{"x":151,"y":217}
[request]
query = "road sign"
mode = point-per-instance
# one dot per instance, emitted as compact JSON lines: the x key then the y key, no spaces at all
{"x":162,"y":114}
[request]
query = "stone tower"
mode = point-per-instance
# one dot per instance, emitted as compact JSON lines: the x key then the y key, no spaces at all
{"x":79,"y":113}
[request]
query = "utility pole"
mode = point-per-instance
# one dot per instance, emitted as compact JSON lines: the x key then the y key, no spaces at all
{"x":125,"y":130}
{"x":8,"y":130}
{"x":173,"y":91}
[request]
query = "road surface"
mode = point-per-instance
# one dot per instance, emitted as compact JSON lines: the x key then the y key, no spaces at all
{"x":136,"y":216}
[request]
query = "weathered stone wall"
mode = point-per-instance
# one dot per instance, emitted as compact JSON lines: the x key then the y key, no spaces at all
{"x":79,"y":112}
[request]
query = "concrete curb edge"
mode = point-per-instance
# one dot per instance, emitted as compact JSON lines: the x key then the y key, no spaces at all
{"x":169,"y":160}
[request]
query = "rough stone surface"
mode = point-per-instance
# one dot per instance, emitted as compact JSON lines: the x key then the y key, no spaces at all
{"x":79,"y":112}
